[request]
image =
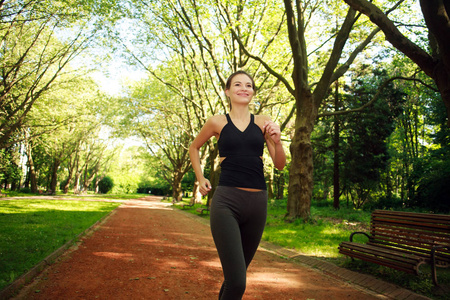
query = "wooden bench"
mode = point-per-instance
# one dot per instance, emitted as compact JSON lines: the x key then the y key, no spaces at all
{"x":202,"y":210}
{"x":404,"y":241}
{"x":191,"y":203}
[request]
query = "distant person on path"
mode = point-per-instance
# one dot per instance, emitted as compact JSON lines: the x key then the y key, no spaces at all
{"x":239,"y":205}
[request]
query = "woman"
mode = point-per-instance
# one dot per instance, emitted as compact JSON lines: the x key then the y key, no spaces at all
{"x":239,"y":205}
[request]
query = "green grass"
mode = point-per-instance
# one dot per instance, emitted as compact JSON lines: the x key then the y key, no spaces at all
{"x":31,"y":229}
{"x":320,"y":236}
{"x":192,"y":209}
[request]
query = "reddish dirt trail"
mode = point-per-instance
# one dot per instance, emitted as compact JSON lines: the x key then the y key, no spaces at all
{"x":146,"y":250}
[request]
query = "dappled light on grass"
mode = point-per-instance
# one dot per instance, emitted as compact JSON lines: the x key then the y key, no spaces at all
{"x":318,"y":237}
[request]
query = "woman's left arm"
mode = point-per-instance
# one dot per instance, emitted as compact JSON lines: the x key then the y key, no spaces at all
{"x":272,"y":135}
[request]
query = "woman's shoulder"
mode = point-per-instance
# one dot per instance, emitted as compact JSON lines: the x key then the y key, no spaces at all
{"x":216,"y":122}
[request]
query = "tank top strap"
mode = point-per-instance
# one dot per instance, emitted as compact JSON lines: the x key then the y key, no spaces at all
{"x":228,"y":118}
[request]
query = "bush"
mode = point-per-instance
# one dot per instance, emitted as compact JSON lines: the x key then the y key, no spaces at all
{"x":384,"y":202}
{"x":105,"y":185}
{"x":434,"y":193}
{"x":25,"y":190}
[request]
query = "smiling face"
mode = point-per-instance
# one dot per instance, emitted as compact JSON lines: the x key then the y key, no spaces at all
{"x":240,"y":89}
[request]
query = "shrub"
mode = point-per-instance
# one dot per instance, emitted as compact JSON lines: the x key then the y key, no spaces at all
{"x":105,"y":185}
{"x":25,"y":190}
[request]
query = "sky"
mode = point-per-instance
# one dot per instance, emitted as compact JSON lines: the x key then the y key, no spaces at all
{"x":117,"y":74}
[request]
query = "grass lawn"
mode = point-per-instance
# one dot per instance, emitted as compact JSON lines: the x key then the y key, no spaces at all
{"x":32,"y":229}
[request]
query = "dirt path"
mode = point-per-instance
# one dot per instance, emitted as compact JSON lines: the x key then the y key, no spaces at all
{"x":147,"y":250}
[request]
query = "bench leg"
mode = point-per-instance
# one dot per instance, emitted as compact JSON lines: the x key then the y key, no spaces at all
{"x":433,"y":267}
{"x":433,"y":263}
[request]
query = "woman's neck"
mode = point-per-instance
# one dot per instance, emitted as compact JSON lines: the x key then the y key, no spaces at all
{"x":239,"y":113}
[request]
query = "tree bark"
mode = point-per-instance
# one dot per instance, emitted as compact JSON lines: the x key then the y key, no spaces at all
{"x":270,"y":184}
{"x":54,"y":178}
{"x":301,"y":170}
{"x":177,"y":192}
{"x":336,"y":182}
{"x":31,"y":169}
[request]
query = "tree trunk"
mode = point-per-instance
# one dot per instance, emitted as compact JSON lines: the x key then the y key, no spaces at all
{"x":270,"y":185}
{"x":97,"y":180}
{"x":32,"y":171}
{"x":76,"y":185}
{"x":280,"y":184}
{"x":88,"y":181}
{"x":68,"y":182}
{"x":54,"y":180}
{"x":336,"y":186}
{"x":214,"y":174}
{"x":301,"y":171}
{"x":177,"y":192}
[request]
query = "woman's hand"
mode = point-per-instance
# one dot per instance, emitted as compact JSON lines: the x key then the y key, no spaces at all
{"x":273,"y":131}
{"x":272,"y":134}
{"x":204,"y":186}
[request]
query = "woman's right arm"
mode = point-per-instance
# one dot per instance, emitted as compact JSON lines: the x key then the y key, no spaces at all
{"x":208,"y":130}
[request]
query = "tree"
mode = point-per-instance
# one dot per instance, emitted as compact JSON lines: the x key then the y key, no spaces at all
{"x":153,"y":112}
{"x":308,"y":97}
{"x":435,"y":64}
{"x":260,"y":46}
{"x":32,"y":57}
{"x":105,"y":184}
{"x":366,"y":135}
{"x":186,"y":32}
{"x":433,"y":171}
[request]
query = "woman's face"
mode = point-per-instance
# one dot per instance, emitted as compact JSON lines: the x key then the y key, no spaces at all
{"x":241,"y":89}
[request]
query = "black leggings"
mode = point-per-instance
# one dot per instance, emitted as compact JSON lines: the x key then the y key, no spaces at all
{"x":237,"y":221}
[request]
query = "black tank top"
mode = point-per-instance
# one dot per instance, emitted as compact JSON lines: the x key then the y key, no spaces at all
{"x":243,"y":166}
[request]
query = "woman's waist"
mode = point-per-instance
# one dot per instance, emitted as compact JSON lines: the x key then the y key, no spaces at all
{"x":245,"y":159}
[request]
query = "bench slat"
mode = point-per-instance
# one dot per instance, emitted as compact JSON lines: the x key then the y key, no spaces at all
{"x":408,"y":268}
{"x":383,"y":252}
{"x":413,"y":232}
{"x":412,"y":215}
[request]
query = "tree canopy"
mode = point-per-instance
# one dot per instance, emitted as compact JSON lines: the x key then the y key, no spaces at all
{"x":360,"y":92}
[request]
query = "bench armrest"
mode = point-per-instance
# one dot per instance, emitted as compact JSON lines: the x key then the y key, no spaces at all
{"x":358,"y":232}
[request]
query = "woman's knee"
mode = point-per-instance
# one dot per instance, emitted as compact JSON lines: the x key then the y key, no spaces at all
{"x":234,"y":289}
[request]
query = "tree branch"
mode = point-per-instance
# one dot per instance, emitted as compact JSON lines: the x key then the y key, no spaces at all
{"x":376,"y":96}
{"x":394,"y":36}
{"x":437,"y":19}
